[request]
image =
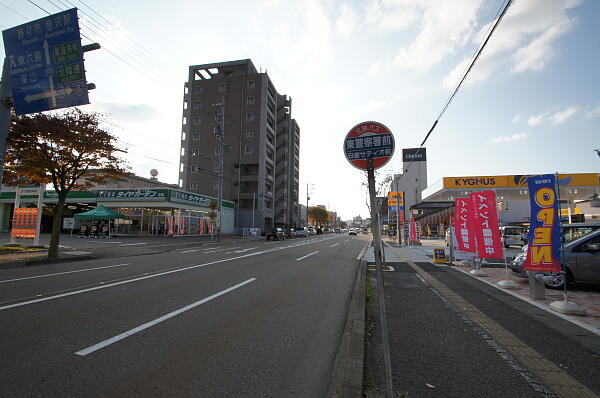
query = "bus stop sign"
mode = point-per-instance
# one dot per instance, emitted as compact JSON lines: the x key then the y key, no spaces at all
{"x":369,"y":140}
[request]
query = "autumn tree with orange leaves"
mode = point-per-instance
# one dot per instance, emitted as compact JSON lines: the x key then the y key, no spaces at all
{"x":68,"y":150}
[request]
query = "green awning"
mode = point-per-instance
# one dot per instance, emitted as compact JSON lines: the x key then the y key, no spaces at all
{"x":101,"y":213}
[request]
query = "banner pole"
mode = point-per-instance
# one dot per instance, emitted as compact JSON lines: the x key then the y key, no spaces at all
{"x":562,"y":245}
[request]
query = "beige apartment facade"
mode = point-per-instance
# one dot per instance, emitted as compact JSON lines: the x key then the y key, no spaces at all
{"x":261,"y":143}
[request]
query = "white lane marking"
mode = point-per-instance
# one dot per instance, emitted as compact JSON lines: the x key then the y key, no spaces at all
{"x":6,"y":307}
{"x":219,"y":250}
{"x":62,"y":273}
{"x":64,"y":247}
{"x":146,"y":325}
{"x":105,"y":243}
{"x":245,"y":250}
{"x":346,"y":240}
{"x":135,"y":244}
{"x":189,"y":251}
{"x":335,"y":244}
{"x":308,"y":255}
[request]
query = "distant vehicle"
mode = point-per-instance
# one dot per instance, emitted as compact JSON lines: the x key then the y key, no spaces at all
{"x":512,"y":236}
{"x":447,"y":238}
{"x":352,"y":232}
{"x":571,"y":232}
{"x":581,"y":257}
{"x":275,"y":234}
{"x":311,"y":231}
{"x":301,"y":232}
{"x":289,"y":233}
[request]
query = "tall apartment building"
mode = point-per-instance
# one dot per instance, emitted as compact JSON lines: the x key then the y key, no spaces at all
{"x":262,"y":143}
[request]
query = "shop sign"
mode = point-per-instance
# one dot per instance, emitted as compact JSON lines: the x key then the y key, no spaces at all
{"x":519,"y":181}
{"x":140,"y":194}
{"x":191,"y":198}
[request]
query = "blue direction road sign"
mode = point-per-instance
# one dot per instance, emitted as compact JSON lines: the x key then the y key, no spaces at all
{"x":46,"y":63}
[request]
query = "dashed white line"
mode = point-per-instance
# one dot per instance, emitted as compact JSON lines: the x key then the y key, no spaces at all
{"x":146,"y":325}
{"x":189,"y":251}
{"x":335,"y":244}
{"x":135,"y":244}
{"x":62,"y":273}
{"x":308,"y":255}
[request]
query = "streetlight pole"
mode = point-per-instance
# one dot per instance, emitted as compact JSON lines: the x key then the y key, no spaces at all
{"x":220,"y":133}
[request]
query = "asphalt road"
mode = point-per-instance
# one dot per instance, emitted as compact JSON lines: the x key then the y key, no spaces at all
{"x":239,"y":318}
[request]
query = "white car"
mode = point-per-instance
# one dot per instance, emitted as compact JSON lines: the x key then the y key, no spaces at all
{"x":311,"y":231}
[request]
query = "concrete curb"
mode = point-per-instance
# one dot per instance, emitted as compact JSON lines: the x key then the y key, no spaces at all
{"x":348,"y":373}
{"x":43,"y":261}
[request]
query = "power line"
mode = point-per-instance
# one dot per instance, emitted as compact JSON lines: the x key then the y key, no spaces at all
{"x":491,"y":32}
{"x":13,"y":10}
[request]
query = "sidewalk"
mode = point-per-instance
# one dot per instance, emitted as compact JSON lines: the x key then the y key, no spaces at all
{"x":461,"y":336}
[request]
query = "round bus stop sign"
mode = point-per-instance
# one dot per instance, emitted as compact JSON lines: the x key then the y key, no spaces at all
{"x":369,"y":140}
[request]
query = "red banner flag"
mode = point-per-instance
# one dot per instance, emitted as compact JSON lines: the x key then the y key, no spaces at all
{"x":413,"y":229}
{"x":485,"y":222}
{"x":463,"y":228}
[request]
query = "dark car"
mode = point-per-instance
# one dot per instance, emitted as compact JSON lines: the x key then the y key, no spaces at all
{"x":352,"y":232}
{"x":275,"y":234}
{"x":581,"y":257}
{"x":289,"y":233}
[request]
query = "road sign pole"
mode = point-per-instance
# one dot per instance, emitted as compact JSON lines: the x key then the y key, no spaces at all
{"x":5,"y":109}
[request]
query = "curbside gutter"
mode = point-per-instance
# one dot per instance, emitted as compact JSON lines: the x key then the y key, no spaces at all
{"x":348,"y":373}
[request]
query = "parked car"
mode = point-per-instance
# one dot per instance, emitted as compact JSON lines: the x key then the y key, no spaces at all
{"x":289,"y":233}
{"x":571,"y":232}
{"x":512,"y":235}
{"x":301,"y":232}
{"x":581,"y":258}
{"x":311,"y":231}
{"x":275,"y":234}
{"x":352,"y":232}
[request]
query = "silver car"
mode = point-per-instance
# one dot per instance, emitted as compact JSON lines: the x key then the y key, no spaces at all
{"x":581,"y":258}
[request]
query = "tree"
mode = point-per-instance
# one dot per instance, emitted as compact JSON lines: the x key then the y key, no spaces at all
{"x":68,"y":150}
{"x":318,"y":215}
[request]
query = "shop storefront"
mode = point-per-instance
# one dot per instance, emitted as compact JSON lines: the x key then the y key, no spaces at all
{"x":147,"y":211}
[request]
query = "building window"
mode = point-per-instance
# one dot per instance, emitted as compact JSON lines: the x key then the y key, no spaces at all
{"x":193,"y":185}
{"x":249,"y":133}
{"x":199,"y":90}
{"x":268,"y":204}
{"x":194,"y":168}
{"x":195,"y":136}
{"x":248,"y":149}
{"x":250,"y":101}
{"x":185,"y":105}
{"x":197,"y":121}
{"x":181,"y":166}
{"x":217,"y":151}
{"x":184,"y":120}
{"x":250,"y":117}
{"x":251,"y":83}
{"x":220,"y":87}
{"x":195,"y":152}
{"x":182,"y":151}
{"x":216,"y":185}
{"x":197,"y":105}
{"x":183,"y":136}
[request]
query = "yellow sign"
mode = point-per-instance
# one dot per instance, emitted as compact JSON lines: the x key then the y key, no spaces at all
{"x":519,"y":181}
{"x":393,"y":196}
{"x":439,"y":256}
{"x":565,"y":212}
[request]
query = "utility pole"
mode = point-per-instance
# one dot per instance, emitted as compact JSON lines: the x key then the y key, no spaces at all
{"x":220,"y":134}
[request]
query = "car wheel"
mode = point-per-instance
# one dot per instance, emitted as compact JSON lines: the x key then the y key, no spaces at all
{"x":557,"y":281}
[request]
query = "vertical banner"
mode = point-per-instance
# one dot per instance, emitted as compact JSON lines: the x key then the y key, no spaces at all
{"x":202,"y":226}
{"x":181,"y":225}
{"x":170,"y":225}
{"x":543,"y":252}
{"x":463,"y":215}
{"x":413,"y":229}
{"x":485,"y":222}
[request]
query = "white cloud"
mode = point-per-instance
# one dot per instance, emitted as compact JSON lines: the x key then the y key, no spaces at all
{"x":346,"y":21}
{"x":562,"y":116}
{"x":392,"y":15}
{"x":593,"y":112}
{"x":537,"y":119}
{"x":516,"y":119}
{"x":509,"y":138}
{"x":524,"y":40}
{"x":555,"y":118}
{"x":446,"y":27}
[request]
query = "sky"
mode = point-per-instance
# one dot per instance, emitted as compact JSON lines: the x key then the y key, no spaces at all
{"x":530,"y":105}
